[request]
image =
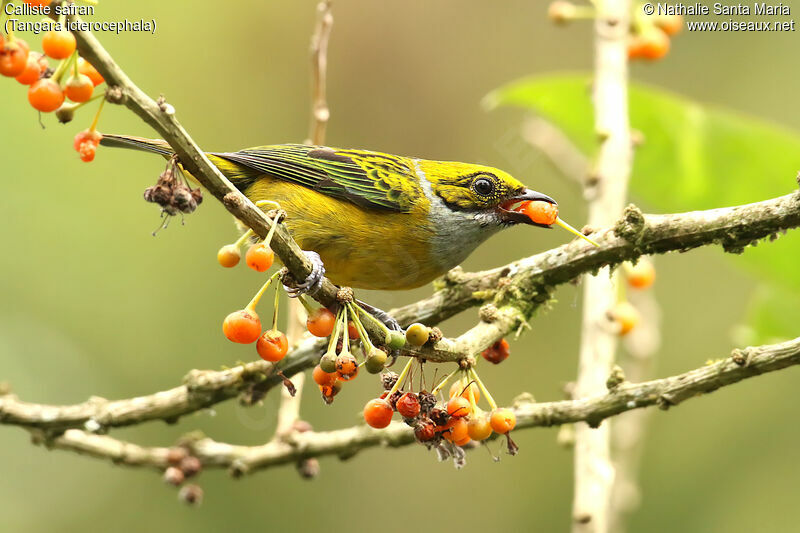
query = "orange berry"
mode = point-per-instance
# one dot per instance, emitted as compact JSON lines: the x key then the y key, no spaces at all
{"x":13,"y":58}
{"x":329,"y":391}
{"x":458,"y":406}
{"x":321,"y":322}
{"x":479,"y":427}
{"x":458,"y":430}
{"x":503,"y":420}
{"x":229,"y":255}
{"x":540,"y":211}
{"x":272,"y":346}
{"x":323,"y":378}
{"x":352,"y":330}
{"x":259,"y":257}
{"x":378,"y":413}
{"x":33,"y":69}
{"x":58,"y":44}
{"x":45,"y":95}
{"x":79,"y":88}
{"x":408,"y":405}
{"x":626,"y":316}
{"x":641,"y":275}
{"x":346,"y":366}
{"x":651,"y":44}
{"x":85,"y":136}
{"x":242,"y":326}
{"x":84,"y":67}
{"x":461,"y":388}
{"x":425,"y":431}
{"x":87,"y":152}
{"x":497,"y":352}
{"x":462,"y":442}
{"x":670,"y":24}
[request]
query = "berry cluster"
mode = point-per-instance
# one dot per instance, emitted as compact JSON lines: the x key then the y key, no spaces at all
{"x":649,"y":36}
{"x":458,"y":420}
{"x":182,"y":466}
{"x":72,"y":79}
{"x":172,"y":191}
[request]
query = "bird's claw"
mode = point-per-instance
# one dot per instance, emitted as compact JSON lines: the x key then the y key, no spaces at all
{"x":387,"y":319}
{"x":314,"y":280}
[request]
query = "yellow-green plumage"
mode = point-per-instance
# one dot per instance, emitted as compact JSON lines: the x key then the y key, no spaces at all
{"x":378,"y":221}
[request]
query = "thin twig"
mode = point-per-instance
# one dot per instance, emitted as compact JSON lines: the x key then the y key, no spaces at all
{"x":665,"y":393}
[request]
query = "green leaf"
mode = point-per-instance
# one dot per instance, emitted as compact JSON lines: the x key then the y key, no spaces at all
{"x":693,"y":157}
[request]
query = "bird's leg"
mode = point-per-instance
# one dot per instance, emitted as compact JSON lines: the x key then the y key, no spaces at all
{"x":312,"y":283}
{"x":381,"y":315}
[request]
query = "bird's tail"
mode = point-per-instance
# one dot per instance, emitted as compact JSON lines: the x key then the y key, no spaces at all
{"x":156,"y":146}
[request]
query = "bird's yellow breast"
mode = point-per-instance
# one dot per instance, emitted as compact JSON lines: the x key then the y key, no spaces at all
{"x":362,"y":248}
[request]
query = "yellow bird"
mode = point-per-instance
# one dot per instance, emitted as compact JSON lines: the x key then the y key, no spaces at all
{"x":377,"y":221}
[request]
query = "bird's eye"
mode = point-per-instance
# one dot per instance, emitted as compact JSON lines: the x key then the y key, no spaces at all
{"x":483,"y":186}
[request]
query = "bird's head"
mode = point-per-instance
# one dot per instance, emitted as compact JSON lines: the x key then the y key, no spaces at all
{"x":486,"y":192}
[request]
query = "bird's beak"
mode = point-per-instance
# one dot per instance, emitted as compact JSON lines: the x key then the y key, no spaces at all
{"x":509,"y":215}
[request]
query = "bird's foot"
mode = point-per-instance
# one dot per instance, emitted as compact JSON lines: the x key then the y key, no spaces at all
{"x":387,"y":319}
{"x":314,"y":280}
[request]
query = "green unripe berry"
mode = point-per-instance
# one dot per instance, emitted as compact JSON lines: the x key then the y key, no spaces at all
{"x":395,"y":340}
{"x":417,"y":334}
{"x":328,"y":362}
{"x":375,"y":361}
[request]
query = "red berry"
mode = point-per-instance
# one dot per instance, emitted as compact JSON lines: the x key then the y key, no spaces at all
{"x":45,"y":95}
{"x":323,"y":378}
{"x":321,"y":322}
{"x":503,"y":420}
{"x":540,"y":211}
{"x":352,"y":330}
{"x":425,"y":431}
{"x":259,"y":257}
{"x":378,"y":413}
{"x":408,"y":405}
{"x":58,"y":44}
{"x":13,"y":58}
{"x":242,"y":326}
{"x":84,"y":67}
{"x":79,"y":88}
{"x":229,"y":255}
{"x":272,"y":346}
{"x":458,"y":406}
{"x":497,"y":352}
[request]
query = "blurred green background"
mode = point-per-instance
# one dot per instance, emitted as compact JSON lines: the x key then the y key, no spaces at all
{"x":94,"y":305}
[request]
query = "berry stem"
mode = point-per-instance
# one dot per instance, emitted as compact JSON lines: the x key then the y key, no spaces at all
{"x":570,"y":229}
{"x":93,"y":128}
{"x":335,"y":335}
{"x":246,"y":235}
{"x":362,"y":332}
{"x":377,"y":322}
{"x":345,"y":332}
{"x":254,"y":302}
{"x":275,"y":309}
{"x":484,"y":390}
{"x":444,"y":381}
{"x":307,"y":306}
{"x":401,"y":377}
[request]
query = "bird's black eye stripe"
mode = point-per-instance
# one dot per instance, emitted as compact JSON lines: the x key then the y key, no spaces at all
{"x":483,"y":186}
